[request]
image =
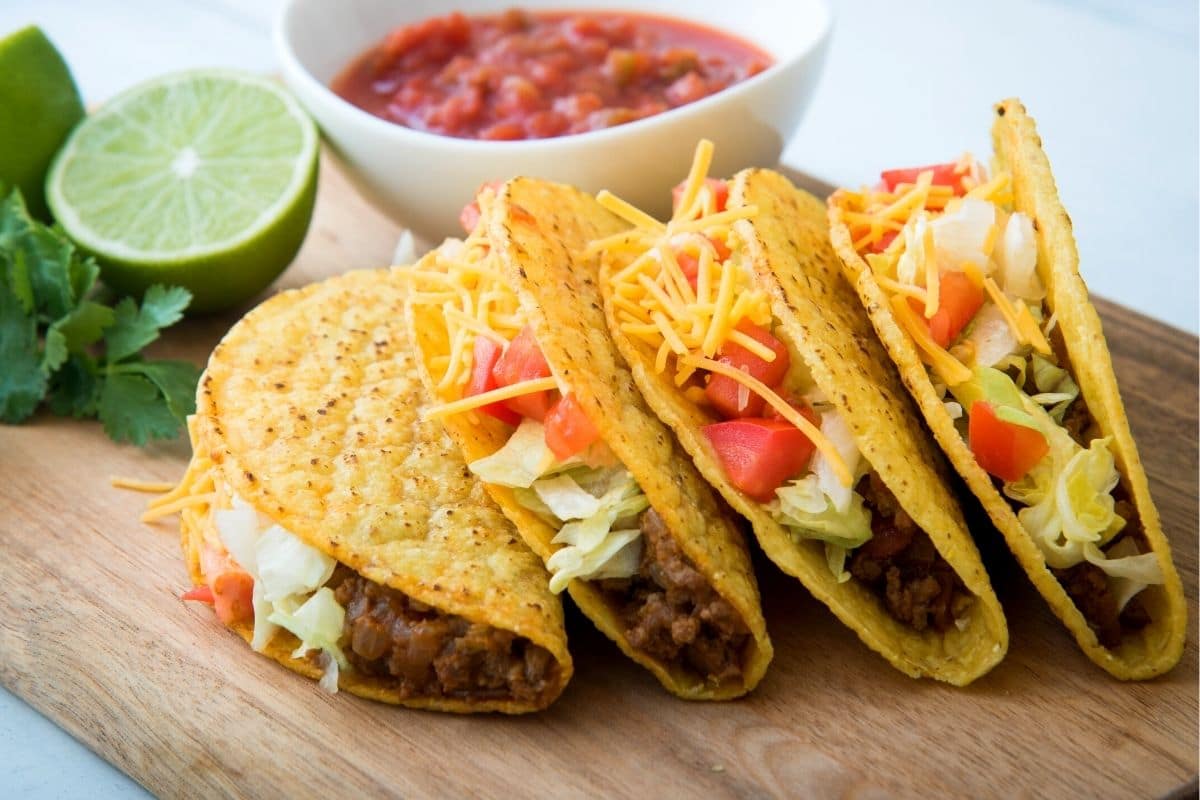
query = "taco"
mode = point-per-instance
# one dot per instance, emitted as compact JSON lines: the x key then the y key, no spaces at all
{"x":743,"y":338}
{"x":972,"y":282}
{"x":511,"y":337}
{"x":340,"y":534}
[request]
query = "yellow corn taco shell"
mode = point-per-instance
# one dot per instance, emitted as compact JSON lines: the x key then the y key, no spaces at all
{"x":310,"y":411}
{"x":1157,"y":647}
{"x":822,"y":322}
{"x":538,"y":231}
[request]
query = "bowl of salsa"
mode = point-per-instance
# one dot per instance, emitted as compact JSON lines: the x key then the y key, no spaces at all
{"x":424,"y":102}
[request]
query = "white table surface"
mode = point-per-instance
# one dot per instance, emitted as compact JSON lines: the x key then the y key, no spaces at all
{"x":1113,"y":85}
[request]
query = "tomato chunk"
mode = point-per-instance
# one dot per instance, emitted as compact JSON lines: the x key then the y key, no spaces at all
{"x":718,"y":187}
{"x":233,"y":596}
{"x":884,"y":241}
{"x":759,"y":454}
{"x":469,"y":216}
{"x":568,"y":429}
{"x":487,"y":352}
{"x":1004,"y":449}
{"x":943,"y":175}
{"x":523,"y":361}
{"x":690,"y":267}
{"x":722,"y":392}
{"x":958,"y":301}
{"x":770,"y":413}
{"x":721,"y":248}
{"x":198,"y":594}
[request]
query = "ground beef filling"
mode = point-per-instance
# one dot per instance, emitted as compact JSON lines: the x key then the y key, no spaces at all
{"x":426,"y":653}
{"x":901,"y":565}
{"x":671,"y":613}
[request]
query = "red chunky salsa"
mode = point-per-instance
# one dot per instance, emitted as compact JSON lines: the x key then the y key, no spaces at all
{"x":519,"y":75}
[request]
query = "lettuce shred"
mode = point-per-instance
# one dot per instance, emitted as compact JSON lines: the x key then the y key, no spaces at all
{"x":289,"y":585}
{"x":594,"y":508}
{"x":817,"y":505}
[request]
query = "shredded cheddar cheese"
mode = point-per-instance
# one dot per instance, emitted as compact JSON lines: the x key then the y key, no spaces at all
{"x":135,"y":485}
{"x":494,"y":396}
{"x":950,"y":369}
{"x":673,"y":292}
{"x":908,"y":267}
{"x":466,"y":284}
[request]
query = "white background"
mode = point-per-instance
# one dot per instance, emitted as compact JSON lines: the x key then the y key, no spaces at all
{"x":1113,"y":86}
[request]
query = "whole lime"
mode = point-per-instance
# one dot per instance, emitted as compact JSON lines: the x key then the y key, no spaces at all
{"x":39,"y":104}
{"x":204,"y":179}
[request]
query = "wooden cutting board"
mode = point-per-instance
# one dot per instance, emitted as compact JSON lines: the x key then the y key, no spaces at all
{"x":93,"y":635}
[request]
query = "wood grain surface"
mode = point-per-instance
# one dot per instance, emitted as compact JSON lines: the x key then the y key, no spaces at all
{"x":93,"y":635}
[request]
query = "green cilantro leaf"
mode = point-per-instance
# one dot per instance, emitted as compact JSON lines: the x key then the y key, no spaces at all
{"x":85,"y":325}
{"x":53,"y":318}
{"x":55,"y":353}
{"x":75,"y":388}
{"x":175,"y":379}
{"x":134,"y":328}
{"x":132,"y":410}
{"x":22,"y":381}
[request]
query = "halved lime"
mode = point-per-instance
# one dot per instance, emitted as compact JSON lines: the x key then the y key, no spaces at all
{"x":203,"y":179}
{"x":39,"y":105}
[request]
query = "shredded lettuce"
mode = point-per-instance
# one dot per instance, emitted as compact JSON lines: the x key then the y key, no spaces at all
{"x":317,"y":623}
{"x":564,"y":498}
{"x":817,"y":505}
{"x":960,"y":234}
{"x":835,"y":557}
{"x":595,"y":510}
{"x":1016,"y":257}
{"x":264,"y":629}
{"x":1069,"y":507}
{"x":1129,"y":571}
{"x":1056,"y":386}
{"x":617,"y":556}
{"x":289,"y":585}
{"x":523,"y":459}
{"x":914,"y":248}
{"x":288,"y":566}
{"x":838,"y":433}
{"x":810,"y":513}
{"x":991,"y":336}
{"x":997,"y":389}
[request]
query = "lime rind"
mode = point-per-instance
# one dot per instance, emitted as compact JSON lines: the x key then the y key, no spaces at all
{"x":118,"y":186}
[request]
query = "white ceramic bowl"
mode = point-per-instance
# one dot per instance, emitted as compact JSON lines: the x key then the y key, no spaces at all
{"x":423,"y":180}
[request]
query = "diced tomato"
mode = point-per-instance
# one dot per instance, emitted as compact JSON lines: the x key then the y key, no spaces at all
{"x":759,"y":454}
{"x":720,"y":247}
{"x":198,"y":594}
{"x":884,"y":241}
{"x":1004,"y":449}
{"x":943,"y":175}
{"x":523,"y":361}
{"x":233,"y":596}
{"x":568,"y":429}
{"x":722,"y":391}
{"x":690,"y":267}
{"x":719,"y":188}
{"x":487,"y":352}
{"x":958,"y":300}
{"x":769,"y":412}
{"x":469,"y":216}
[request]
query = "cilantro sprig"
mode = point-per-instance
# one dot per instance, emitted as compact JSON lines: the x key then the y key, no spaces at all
{"x":59,"y":343}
